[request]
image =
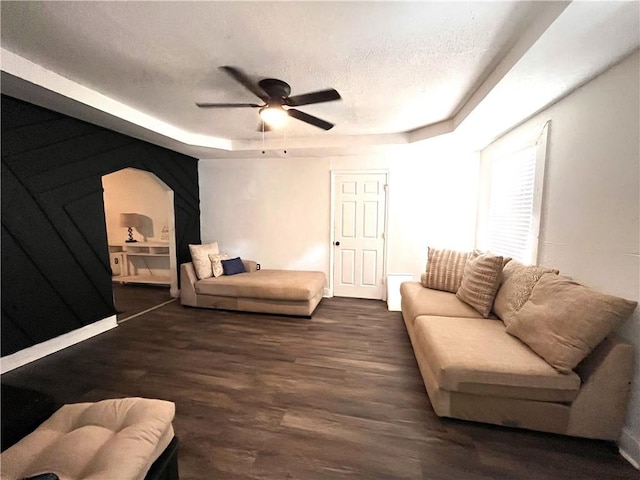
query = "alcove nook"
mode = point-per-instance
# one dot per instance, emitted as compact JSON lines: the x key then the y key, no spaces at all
{"x":148,"y":205}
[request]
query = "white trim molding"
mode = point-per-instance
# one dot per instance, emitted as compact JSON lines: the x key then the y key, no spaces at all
{"x":629,"y":448}
{"x":30,"y":354}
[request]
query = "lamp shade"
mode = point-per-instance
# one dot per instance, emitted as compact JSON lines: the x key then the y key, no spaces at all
{"x":130,"y":220}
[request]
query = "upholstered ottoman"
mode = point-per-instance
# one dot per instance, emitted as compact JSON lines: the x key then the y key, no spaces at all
{"x":112,"y":439}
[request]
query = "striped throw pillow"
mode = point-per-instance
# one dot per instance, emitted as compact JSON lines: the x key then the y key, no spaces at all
{"x":445,"y":269}
{"x":480,"y":282}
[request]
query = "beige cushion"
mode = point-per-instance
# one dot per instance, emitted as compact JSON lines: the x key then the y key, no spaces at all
{"x":418,"y":300}
{"x":216,"y":263}
{"x":267,"y":284}
{"x":110,"y":439}
{"x":564,"y":321}
{"x":515,"y":288}
{"x":445,"y":269}
{"x":480,"y":282}
{"x":476,"y":355}
{"x":200,"y":258}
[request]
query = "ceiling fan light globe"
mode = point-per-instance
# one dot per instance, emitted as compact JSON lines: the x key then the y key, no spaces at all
{"x":274,"y":116}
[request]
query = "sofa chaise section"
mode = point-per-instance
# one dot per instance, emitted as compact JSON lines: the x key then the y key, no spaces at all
{"x":283,"y":292}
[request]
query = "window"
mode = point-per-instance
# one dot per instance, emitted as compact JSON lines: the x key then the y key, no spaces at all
{"x":516,"y":200}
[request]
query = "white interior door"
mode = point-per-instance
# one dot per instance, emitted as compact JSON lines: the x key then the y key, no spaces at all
{"x":359,"y":234}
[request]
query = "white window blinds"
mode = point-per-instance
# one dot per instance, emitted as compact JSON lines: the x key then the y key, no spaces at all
{"x":516,"y":201}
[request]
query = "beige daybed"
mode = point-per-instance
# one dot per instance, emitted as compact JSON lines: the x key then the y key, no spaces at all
{"x":284,"y":292}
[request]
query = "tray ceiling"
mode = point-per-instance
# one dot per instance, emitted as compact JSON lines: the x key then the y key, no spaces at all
{"x":405,"y":70}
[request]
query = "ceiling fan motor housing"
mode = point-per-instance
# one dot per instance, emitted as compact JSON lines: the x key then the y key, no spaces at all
{"x":275,"y":88}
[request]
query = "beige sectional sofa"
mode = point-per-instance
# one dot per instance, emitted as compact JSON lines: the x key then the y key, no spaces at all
{"x":284,"y":292}
{"x":476,"y":368}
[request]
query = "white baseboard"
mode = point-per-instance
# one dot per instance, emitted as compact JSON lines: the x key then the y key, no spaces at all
{"x":56,"y":344}
{"x":327,"y":293}
{"x":394,"y":306}
{"x":630,"y":448}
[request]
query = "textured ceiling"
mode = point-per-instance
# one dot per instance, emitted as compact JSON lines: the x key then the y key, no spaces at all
{"x":399,"y":66}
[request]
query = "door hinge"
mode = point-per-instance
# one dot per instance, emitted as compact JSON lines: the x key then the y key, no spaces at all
{"x":386,"y":187}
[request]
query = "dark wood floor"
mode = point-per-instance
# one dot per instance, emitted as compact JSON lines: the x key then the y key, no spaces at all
{"x":335,"y":397}
{"x":131,"y":299}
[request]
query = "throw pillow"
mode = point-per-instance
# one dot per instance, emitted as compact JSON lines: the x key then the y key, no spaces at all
{"x":480,"y":282}
{"x":445,"y":269}
{"x":515,"y":288}
{"x":233,"y":266}
{"x":564,"y":321}
{"x":200,"y":259}
{"x":216,"y":263}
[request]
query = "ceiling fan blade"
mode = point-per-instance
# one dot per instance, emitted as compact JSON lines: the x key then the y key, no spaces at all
{"x":313,"y":97}
{"x":242,"y":78}
{"x":227,"y":105}
{"x":310,"y":119}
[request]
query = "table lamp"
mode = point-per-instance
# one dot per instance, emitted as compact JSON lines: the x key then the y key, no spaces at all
{"x":130,"y":221}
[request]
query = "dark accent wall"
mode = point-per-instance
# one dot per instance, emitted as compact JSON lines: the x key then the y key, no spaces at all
{"x":55,"y":261}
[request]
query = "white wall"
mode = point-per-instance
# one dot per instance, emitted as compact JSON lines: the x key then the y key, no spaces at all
{"x":277,"y":210}
{"x":271,"y":210}
{"x":590,"y":226}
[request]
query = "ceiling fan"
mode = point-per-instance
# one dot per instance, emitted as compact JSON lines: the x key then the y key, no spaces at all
{"x":275,"y":95}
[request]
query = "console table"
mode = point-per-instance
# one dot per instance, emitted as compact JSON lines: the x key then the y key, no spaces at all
{"x":141,"y":262}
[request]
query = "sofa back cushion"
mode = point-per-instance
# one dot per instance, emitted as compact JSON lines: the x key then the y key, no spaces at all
{"x":445,"y":269}
{"x":515,"y":288}
{"x":480,"y":282}
{"x":564,"y":321}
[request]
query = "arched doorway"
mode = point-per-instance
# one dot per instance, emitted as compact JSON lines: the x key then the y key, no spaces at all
{"x":146,"y":204}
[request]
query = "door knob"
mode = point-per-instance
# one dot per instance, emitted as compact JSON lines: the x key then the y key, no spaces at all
{"x":337,"y":244}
